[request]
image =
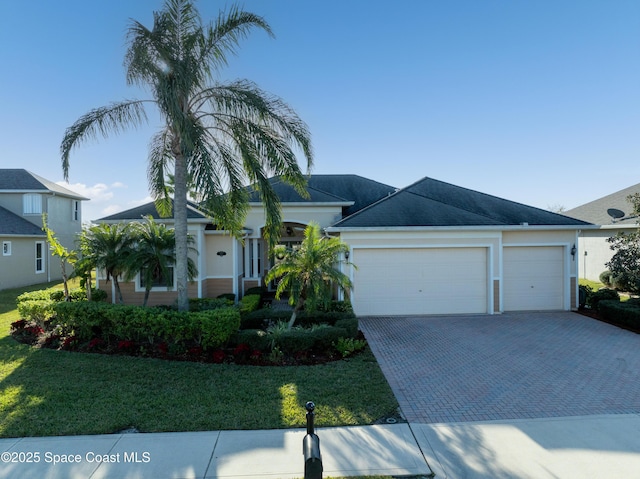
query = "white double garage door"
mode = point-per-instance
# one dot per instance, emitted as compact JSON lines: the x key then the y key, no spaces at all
{"x":457,"y":280}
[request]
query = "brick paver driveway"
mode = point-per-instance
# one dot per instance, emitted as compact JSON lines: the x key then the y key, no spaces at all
{"x":509,"y":366}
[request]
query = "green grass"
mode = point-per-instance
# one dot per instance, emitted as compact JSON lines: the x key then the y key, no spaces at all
{"x":45,"y":392}
{"x":594,"y":285}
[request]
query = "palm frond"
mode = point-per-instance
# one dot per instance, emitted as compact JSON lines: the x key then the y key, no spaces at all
{"x":114,"y":118}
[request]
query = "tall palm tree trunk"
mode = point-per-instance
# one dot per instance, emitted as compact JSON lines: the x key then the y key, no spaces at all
{"x":180,"y":218}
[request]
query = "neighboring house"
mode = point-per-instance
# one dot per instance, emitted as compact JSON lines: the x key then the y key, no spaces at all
{"x":429,"y":248}
{"x":24,"y":196}
{"x":613,"y":214}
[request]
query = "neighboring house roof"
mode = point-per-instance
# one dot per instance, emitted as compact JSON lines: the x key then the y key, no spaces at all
{"x":19,"y":180}
{"x":13,"y":225}
{"x":352,"y":191}
{"x":430,"y":202}
{"x":596,"y":211}
{"x":149,"y":209}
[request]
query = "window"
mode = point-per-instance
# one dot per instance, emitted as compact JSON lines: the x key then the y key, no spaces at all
{"x":32,"y":204}
{"x":39,"y":256}
{"x":76,"y":210}
{"x":6,"y":248}
{"x":158,"y":281}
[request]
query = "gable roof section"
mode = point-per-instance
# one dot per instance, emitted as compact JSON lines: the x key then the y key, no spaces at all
{"x":14,"y":225}
{"x":19,"y":180}
{"x":353,"y":192}
{"x":430,"y":202}
{"x":149,"y":209}
{"x":596,"y":211}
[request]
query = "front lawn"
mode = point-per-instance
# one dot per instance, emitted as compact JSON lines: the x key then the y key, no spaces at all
{"x":46,"y":392}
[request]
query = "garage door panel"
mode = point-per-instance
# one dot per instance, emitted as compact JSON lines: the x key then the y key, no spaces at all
{"x":533,"y":278}
{"x":420,"y":281}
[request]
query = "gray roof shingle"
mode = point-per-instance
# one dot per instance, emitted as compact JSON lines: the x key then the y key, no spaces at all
{"x":596,"y":211}
{"x":12,"y":224}
{"x":149,"y":209}
{"x":430,"y":202}
{"x":17,"y":180}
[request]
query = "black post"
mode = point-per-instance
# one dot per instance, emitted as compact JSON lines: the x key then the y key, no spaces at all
{"x":311,"y":447}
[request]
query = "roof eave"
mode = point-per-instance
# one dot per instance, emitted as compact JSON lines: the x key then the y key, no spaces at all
{"x":338,"y":229}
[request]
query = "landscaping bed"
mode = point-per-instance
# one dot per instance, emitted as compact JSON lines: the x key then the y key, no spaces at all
{"x":605,"y":305}
{"x":213,"y":331}
{"x":46,"y":392}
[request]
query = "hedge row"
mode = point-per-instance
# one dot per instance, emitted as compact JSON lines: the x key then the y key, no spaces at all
{"x":111,"y":322}
{"x":626,"y":313}
{"x":260,"y":318}
{"x":77,"y":294}
{"x":298,"y":339}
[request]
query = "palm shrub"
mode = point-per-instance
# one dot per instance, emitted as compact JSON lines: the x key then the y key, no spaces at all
{"x":215,"y":135}
{"x":308,"y":273}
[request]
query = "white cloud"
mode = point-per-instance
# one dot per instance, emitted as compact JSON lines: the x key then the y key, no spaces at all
{"x":99,"y":192}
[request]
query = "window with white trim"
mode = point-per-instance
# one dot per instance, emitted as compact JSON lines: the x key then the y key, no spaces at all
{"x":39,"y":256}
{"x":159,"y":280}
{"x":6,"y":248}
{"x":32,"y":204}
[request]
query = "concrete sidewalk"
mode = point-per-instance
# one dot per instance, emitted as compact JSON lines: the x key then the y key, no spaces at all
{"x":606,"y":446}
{"x":277,"y":454}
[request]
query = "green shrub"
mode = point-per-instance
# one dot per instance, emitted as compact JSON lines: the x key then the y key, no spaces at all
{"x":325,"y":336}
{"x":229,"y":296}
{"x":338,"y":306}
{"x":249,"y":303}
{"x":205,"y":304}
{"x":308,"y":318}
{"x":254,"y":338}
{"x":602,"y":294}
{"x":348,"y":346}
{"x":626,"y":313}
{"x":295,"y":340}
{"x":350,"y":325}
{"x":115,"y":322}
{"x":36,"y":310}
{"x":258,"y":318}
{"x":259,"y":290}
{"x":605,"y":278}
{"x":40,"y":295}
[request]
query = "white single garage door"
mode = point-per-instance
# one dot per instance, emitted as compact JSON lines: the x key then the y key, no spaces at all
{"x":398,"y":281}
{"x":533,"y":278}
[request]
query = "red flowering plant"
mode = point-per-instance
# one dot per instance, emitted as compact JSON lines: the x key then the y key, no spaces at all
{"x":126,"y":345}
{"x":241,"y":353}
{"x":70,"y":342}
{"x":95,"y":343}
{"x":163,"y":348}
{"x":195,"y":351}
{"x":218,"y":356}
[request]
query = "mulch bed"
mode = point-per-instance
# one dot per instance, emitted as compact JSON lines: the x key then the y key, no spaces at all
{"x":594,"y":314}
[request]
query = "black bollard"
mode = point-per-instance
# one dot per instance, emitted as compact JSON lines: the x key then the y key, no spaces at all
{"x":311,"y":447}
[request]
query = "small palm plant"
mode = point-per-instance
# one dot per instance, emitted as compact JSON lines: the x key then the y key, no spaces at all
{"x":109,"y":247}
{"x":308,"y":273}
{"x":154,"y":255}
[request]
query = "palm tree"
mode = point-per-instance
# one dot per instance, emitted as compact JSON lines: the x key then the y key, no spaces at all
{"x":218,"y":136}
{"x":109,"y":247}
{"x":308,"y":273}
{"x":155,"y":254}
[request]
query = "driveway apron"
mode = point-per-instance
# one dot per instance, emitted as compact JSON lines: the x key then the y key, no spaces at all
{"x":508,"y":366}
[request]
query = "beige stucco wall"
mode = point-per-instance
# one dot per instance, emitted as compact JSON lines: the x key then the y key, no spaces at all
{"x":218,"y":266}
{"x":323,"y":215}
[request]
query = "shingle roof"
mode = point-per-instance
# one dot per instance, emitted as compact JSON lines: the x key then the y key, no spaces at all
{"x":12,"y":224}
{"x":149,"y":209}
{"x":353,"y":191}
{"x":20,"y":180}
{"x":596,"y":211}
{"x":430,"y":202}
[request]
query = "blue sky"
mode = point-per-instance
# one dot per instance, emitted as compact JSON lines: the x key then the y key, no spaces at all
{"x":534,"y":101}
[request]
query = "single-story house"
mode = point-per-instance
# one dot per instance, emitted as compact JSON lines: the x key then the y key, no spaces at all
{"x":613,"y":214}
{"x":24,"y":196}
{"x":429,"y":248}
